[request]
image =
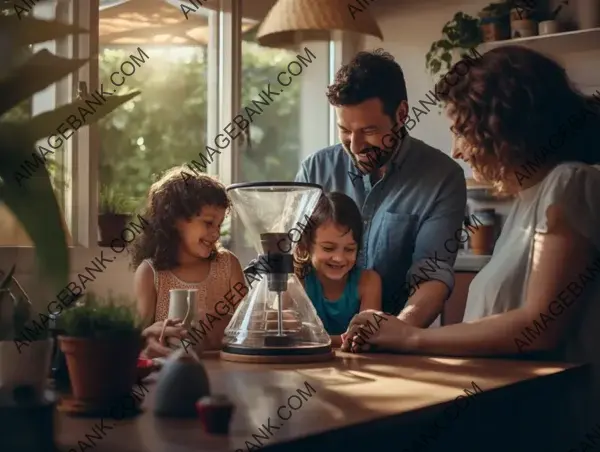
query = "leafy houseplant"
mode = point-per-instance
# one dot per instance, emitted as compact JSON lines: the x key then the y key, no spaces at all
{"x":101,"y":340}
{"x":114,"y":212}
{"x":23,"y":367}
{"x":22,"y":74}
{"x":458,"y":36}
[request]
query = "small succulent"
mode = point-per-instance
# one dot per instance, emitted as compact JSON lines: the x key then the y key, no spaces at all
{"x":15,"y":310}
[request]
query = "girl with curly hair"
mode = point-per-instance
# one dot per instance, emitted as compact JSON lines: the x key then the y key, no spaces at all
{"x":179,"y":249}
{"x":522,"y":125}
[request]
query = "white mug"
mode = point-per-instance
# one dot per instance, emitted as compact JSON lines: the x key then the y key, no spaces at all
{"x":182,"y":305}
{"x":548,"y":27}
{"x":178,"y":304}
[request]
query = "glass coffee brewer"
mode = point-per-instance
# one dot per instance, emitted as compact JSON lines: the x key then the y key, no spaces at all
{"x":276,"y":321}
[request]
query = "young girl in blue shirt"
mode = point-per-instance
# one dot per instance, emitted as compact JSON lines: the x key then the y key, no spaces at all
{"x":325,"y":261}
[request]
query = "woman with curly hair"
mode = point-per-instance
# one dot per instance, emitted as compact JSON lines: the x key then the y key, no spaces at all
{"x":521,"y":125}
{"x":179,"y":249}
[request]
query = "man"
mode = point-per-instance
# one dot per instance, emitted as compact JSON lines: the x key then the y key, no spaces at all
{"x":412,"y":196}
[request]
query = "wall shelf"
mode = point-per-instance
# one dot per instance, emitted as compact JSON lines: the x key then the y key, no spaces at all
{"x":556,"y":43}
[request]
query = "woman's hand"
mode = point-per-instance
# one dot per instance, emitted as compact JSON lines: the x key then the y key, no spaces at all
{"x":372,"y":328}
{"x":156,"y":337}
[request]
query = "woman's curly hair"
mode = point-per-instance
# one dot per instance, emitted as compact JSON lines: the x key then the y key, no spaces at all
{"x":510,"y":104}
{"x":177,"y":195}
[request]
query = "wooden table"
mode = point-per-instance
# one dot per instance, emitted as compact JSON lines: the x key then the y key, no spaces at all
{"x":373,"y":401}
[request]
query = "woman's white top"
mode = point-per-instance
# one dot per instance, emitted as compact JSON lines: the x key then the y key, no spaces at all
{"x":501,"y":285}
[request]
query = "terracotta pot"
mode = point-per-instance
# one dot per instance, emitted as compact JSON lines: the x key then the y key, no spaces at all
{"x":494,"y":29}
{"x":111,"y":227}
{"x":101,"y":369}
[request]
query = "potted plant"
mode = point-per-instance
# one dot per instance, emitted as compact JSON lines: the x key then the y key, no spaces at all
{"x":24,"y":362}
{"x":494,"y":22}
{"x":101,"y":340}
{"x":523,"y":18}
{"x":114,"y":212}
{"x":458,"y":36}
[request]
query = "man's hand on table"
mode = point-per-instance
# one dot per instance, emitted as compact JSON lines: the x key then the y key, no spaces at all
{"x":370,"y":328}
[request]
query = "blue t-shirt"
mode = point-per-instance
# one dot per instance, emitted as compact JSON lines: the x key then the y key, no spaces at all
{"x":335,"y":314}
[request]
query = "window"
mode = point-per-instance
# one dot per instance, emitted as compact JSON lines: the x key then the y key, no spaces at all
{"x":168,"y":123}
{"x":283,"y":93}
{"x":271,"y":149}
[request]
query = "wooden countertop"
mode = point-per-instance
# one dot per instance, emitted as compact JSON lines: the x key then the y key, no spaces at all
{"x":351,"y":391}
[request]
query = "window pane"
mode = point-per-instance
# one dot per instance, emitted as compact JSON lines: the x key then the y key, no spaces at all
{"x":166,"y":125}
{"x":273,"y":151}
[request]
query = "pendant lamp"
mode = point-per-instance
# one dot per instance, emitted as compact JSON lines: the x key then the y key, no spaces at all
{"x":291,"y":22}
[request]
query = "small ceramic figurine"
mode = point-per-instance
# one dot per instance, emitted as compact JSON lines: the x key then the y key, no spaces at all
{"x":181,"y":382}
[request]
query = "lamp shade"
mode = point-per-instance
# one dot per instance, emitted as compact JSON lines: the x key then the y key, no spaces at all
{"x":290,"y":22}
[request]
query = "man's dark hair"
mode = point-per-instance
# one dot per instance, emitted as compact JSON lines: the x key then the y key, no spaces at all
{"x":369,"y":75}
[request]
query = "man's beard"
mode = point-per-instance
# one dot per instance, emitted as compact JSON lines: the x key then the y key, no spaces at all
{"x":377,"y":158}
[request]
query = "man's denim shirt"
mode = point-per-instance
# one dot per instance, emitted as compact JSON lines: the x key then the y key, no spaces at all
{"x":408,"y":215}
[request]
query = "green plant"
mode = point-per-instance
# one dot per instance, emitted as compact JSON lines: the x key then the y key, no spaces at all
{"x":97,"y":318}
{"x":458,"y":35}
{"x":23,"y":74}
{"x":16,"y":311}
{"x":113,"y":202}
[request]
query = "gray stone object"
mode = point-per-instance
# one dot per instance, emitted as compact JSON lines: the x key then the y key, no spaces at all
{"x":181,"y":383}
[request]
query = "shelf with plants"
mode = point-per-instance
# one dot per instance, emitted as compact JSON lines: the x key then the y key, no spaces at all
{"x":542,"y":30}
{"x":497,"y":23}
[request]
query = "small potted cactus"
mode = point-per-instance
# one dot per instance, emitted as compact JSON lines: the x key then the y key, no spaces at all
{"x":24,"y":364}
{"x":101,"y":340}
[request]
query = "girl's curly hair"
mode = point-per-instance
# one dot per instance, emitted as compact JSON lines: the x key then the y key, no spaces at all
{"x":177,"y":195}
{"x":511,"y":104}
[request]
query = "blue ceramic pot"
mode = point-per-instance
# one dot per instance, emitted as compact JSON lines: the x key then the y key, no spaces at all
{"x":182,"y":381}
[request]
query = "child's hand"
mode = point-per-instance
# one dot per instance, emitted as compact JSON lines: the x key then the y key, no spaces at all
{"x":156,"y":336}
{"x":154,"y":349}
